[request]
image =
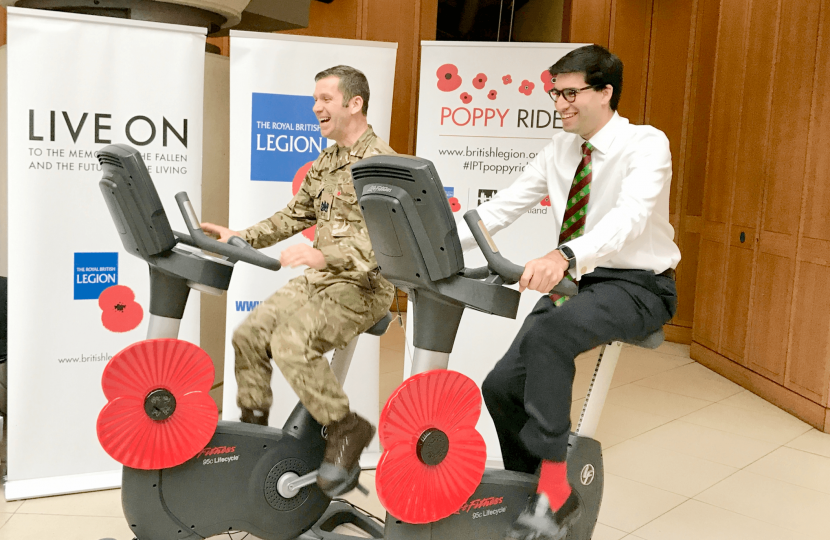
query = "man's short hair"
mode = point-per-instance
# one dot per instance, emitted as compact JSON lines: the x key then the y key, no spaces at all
{"x":599,"y":66}
{"x":352,"y":83}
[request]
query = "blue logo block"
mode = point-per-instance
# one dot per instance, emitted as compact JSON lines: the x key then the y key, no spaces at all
{"x":285,"y":135}
{"x":449,"y":191}
{"x":94,"y":272}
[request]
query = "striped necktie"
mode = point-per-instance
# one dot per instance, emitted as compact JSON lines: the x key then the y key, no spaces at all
{"x":573,"y":223}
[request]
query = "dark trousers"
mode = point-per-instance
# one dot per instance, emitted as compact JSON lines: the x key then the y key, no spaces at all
{"x":528,"y":393}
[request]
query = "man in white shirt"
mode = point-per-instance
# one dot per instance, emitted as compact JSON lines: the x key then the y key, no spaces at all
{"x":609,"y":183}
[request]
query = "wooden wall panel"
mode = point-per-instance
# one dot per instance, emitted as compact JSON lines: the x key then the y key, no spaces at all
{"x":590,"y":21}
{"x":808,"y":369}
{"x":630,"y":38}
{"x":772,"y":302}
{"x":340,"y":19}
{"x":817,"y":210}
{"x":736,"y":303}
{"x":787,"y":151}
{"x":708,"y":297}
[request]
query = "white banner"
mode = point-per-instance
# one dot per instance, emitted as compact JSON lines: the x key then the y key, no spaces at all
{"x":75,"y":84}
{"x":272,"y":82}
{"x":483,"y":114}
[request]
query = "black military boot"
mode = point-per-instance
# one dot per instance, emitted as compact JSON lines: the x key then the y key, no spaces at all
{"x":345,"y":441}
{"x":254,"y":416}
{"x":539,"y":522}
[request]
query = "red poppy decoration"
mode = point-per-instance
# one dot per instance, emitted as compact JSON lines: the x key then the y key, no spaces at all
{"x":547,"y":80}
{"x":492,"y":94}
{"x":299,"y":176}
{"x":526,"y":87}
{"x":507,"y":79}
{"x":121,"y":313}
{"x":465,"y":97}
{"x":455,"y":206}
{"x":448,"y":79}
{"x":480,"y":81}
{"x":433,"y":456}
{"x":159,"y":413}
{"x":546,"y":201}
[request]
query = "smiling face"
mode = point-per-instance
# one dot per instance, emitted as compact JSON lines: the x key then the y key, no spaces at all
{"x":589,"y":112}
{"x":335,"y":118}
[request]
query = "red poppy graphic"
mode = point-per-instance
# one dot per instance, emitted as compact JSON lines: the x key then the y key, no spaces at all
{"x":492,"y":94}
{"x":480,"y":81}
{"x":455,"y":206}
{"x":159,"y":413}
{"x":433,"y":456}
{"x":448,"y":79}
{"x":547,"y":80}
{"x":465,"y":97}
{"x":507,"y":79}
{"x":121,"y":313}
{"x":526,"y":87}
{"x":546,"y":201}
{"x":299,"y":176}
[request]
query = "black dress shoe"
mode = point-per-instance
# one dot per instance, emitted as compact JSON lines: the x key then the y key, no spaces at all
{"x":539,"y":522}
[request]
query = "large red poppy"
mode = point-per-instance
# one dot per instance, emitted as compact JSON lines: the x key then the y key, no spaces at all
{"x":433,"y":456}
{"x":121,"y":313}
{"x":448,"y":78}
{"x":159,"y":413}
{"x":548,"y":80}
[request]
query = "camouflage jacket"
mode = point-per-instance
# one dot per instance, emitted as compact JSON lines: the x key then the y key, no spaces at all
{"x":327,"y":198}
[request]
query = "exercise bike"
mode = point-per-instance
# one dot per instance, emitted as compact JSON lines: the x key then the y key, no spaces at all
{"x":187,"y":482}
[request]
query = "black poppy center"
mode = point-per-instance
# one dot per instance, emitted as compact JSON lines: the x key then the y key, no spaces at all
{"x":448,"y":76}
{"x":120,"y":307}
{"x":433,"y":446}
{"x":159,"y":404}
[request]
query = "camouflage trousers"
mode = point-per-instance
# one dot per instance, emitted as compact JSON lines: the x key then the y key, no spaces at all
{"x":297,"y":325}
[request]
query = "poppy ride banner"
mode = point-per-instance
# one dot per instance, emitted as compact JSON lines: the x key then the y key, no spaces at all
{"x":483,"y":114}
{"x":76,"y":296}
{"x":275,"y":136}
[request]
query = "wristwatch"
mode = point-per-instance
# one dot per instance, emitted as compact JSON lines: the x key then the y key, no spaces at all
{"x":568,"y":255}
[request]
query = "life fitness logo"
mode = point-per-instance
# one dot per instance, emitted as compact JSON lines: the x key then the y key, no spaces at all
{"x":211,"y":455}
{"x":285,"y":135}
{"x":475,"y":504}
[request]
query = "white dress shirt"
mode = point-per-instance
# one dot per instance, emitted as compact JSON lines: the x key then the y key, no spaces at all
{"x":627,"y":221}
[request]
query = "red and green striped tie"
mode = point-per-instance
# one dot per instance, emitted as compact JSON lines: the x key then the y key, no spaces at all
{"x":573,"y":223}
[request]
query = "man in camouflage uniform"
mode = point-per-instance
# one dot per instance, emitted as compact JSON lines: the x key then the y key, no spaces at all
{"x":339,"y":296}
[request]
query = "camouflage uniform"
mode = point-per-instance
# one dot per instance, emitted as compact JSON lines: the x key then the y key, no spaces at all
{"x":322,"y":309}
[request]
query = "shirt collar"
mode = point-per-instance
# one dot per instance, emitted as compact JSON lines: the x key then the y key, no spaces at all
{"x":603,"y":139}
{"x":360,"y":145}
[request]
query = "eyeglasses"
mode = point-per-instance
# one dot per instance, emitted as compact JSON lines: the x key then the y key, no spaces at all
{"x":569,"y":93}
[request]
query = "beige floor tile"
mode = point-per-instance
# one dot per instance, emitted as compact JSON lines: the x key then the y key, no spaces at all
{"x":46,"y":527}
{"x":695,"y":381}
{"x":394,"y":338}
{"x":390,"y":360}
{"x":632,"y":537}
{"x":95,"y":503}
{"x":773,"y":501}
{"x":643,"y":398}
{"x":636,"y":364}
{"x":707,"y":443}
{"x":774,"y":428}
{"x":626,"y":422}
{"x":694,"y":520}
{"x":665,"y":469}
{"x":368,"y":503}
{"x":9,"y":507}
{"x":4,"y":518}
{"x":628,"y":505}
{"x":604,"y":532}
{"x":796,"y":467}
{"x":677,"y":349}
{"x":749,"y":401}
{"x":814,"y":441}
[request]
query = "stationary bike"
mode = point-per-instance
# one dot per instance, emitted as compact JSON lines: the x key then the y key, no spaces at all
{"x":239,"y":476}
{"x":416,"y":244}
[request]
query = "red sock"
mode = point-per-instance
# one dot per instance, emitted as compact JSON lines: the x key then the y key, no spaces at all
{"x":553,"y":482}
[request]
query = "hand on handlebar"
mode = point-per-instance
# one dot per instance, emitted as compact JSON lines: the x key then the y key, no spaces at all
{"x":223,"y":233}
{"x":544,"y":273}
{"x":302,"y":254}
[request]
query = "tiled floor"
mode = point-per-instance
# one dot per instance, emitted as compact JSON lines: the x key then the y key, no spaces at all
{"x":688,"y":456}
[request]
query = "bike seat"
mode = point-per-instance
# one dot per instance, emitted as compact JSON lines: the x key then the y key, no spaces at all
{"x":652,"y":341}
{"x":380,"y":327}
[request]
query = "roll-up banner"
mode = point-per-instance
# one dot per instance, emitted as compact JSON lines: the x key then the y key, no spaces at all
{"x":275,"y":135}
{"x":75,"y":84}
{"x":483,"y":114}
